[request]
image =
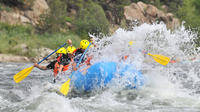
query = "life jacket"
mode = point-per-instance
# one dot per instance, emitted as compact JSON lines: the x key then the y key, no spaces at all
{"x":87,"y":61}
{"x":57,"y":66}
{"x":75,"y":51}
{"x":59,"y":57}
{"x":125,"y":57}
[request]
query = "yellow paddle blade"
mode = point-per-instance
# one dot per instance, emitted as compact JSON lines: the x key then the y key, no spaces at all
{"x":22,"y":74}
{"x":164,"y":60}
{"x":65,"y":87}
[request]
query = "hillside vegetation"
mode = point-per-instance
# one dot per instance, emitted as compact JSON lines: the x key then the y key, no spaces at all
{"x":73,"y":19}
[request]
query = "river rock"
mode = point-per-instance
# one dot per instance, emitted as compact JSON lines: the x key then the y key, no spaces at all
{"x":134,"y":12}
{"x":151,"y":11}
{"x":142,"y":6}
{"x":164,"y":8}
{"x":28,"y":16}
{"x":147,"y":13}
{"x":12,"y":18}
{"x":42,"y":53}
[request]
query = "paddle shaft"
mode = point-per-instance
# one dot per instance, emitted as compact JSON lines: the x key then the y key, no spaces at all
{"x":51,"y":54}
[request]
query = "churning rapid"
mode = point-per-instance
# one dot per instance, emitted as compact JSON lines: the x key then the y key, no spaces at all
{"x":171,"y":88}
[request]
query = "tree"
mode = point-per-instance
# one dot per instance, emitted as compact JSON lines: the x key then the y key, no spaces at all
{"x":197,"y":6}
{"x":54,"y":20}
{"x":91,"y":18}
{"x":188,"y":13}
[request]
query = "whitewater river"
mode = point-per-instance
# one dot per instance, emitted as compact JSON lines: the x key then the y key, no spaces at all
{"x":171,"y":88}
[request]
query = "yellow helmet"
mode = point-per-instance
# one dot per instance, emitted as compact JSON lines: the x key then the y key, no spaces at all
{"x":61,"y":50}
{"x":130,"y":43}
{"x":84,"y":44}
{"x":70,"y":49}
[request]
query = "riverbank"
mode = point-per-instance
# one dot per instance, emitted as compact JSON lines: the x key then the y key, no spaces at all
{"x":7,"y":58}
{"x":21,"y":38}
{"x":13,"y":58}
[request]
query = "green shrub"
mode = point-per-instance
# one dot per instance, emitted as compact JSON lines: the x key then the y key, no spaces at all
{"x":68,"y":19}
{"x":16,"y":35}
{"x":189,"y":14}
{"x":5,"y":8}
{"x":76,"y":4}
{"x":197,"y":6}
{"x":54,"y":20}
{"x":91,"y":19}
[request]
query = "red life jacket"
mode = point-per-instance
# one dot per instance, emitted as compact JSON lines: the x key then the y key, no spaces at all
{"x":59,"y":57}
{"x":56,"y":68}
{"x":125,"y":57}
{"x":87,"y":61}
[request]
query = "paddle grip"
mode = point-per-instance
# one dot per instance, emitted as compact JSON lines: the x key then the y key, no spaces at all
{"x":51,"y":53}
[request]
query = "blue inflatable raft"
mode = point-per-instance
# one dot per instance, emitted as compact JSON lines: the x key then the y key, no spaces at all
{"x":101,"y":74}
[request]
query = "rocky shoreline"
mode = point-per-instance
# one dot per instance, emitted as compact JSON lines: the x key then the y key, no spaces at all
{"x":9,"y":58}
{"x":13,"y":58}
{"x":41,"y":53}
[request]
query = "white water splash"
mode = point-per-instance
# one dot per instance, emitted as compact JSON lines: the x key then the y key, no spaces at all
{"x":177,"y":81}
{"x":155,"y":39}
